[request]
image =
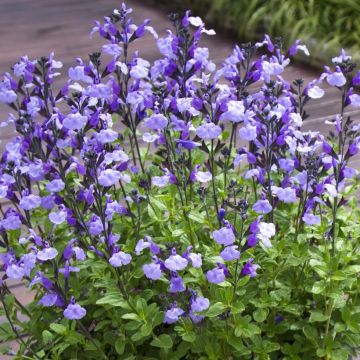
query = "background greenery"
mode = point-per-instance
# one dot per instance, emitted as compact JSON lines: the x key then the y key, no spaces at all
{"x":324,"y":25}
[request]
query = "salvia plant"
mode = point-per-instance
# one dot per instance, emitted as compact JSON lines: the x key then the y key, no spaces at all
{"x":177,"y":210}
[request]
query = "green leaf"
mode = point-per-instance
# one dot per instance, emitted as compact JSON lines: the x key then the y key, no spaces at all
{"x":120,"y":346}
{"x":146,"y":329}
{"x":197,"y":217}
{"x":311,"y":333}
{"x":163,"y":341}
{"x":159,"y":204}
{"x":317,"y":316}
{"x":245,"y":328}
{"x":216,"y":309}
{"x":260,"y":315}
{"x":113,"y":299}
{"x":58,"y":329}
{"x":178,"y":232}
{"x":238,"y":307}
{"x":47,"y":336}
{"x":318,"y":287}
{"x":9,"y":300}
{"x":130,"y":316}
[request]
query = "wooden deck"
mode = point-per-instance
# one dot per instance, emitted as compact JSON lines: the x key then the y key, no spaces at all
{"x":37,"y":27}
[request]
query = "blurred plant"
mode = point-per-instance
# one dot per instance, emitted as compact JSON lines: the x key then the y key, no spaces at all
{"x":324,"y":25}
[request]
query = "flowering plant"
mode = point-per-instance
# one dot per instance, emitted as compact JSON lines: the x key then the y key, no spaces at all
{"x":178,"y":211}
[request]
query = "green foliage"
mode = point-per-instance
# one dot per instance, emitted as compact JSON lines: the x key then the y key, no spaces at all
{"x":325,"y":26}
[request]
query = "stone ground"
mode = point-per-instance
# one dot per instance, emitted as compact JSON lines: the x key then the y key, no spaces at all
{"x":37,"y":27}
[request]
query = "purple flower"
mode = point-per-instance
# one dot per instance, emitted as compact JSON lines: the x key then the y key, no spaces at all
{"x":58,"y":218}
{"x":140,"y":70}
{"x":216,"y":276}
{"x":55,"y":185}
{"x":156,"y":122}
{"x":356,"y":79}
{"x":287,"y":195}
{"x":248,"y":132}
{"x":109,"y":177}
{"x":140,"y":246}
{"x":251,"y":240}
{"x":176,"y":284}
{"x":152,"y":271}
{"x":187,"y":144}
{"x":75,"y":121}
{"x":196,"y":260}
{"x":336,"y":79}
{"x":7,"y":96}
{"x":196,"y":318}
{"x":11,"y":222}
{"x":230,"y":253}
{"x":47,"y":202}
{"x":203,"y":176}
{"x":224,"y":236}
{"x":262,"y":207}
{"x":286,"y":164}
{"x":49,"y":299}
{"x":15,"y":272}
{"x":95,"y":226}
{"x":119,"y":259}
{"x":200,"y":304}
{"x":74,"y":311}
{"x":249,"y":268}
{"x":106,"y":136}
{"x":68,"y":269}
{"x":208,"y":131}
{"x":270,"y":69}
{"x":235,"y":112}
{"x":172,"y":315}
{"x":29,"y":261}
{"x":77,"y":74}
{"x":354,"y":100}
{"x":175,"y":262}
{"x":160,"y":181}
{"x":311,"y":219}
{"x":30,"y":202}
{"x":48,"y":253}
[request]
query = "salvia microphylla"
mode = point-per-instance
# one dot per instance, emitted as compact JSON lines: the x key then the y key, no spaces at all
{"x":121,"y":165}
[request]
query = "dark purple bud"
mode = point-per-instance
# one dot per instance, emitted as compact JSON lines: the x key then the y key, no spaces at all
{"x":356,"y":79}
{"x":221,"y":215}
{"x":46,"y":282}
{"x":68,"y":251}
{"x":251,"y":158}
{"x":252,"y":240}
{"x":327,"y":149}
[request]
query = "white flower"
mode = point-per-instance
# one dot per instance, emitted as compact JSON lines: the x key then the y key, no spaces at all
{"x":160,"y":181}
{"x":266,"y":232}
{"x":355,"y":100}
{"x":203,"y":176}
{"x":296,"y":119}
{"x":336,"y":79}
{"x":315,"y":92}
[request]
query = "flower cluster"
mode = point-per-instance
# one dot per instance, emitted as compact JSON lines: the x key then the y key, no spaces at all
{"x":168,"y":183}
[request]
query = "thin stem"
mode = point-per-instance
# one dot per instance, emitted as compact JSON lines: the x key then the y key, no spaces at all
{"x":88,"y":335}
{"x":16,"y":333}
{"x":212,"y":158}
{"x":229,"y":155}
